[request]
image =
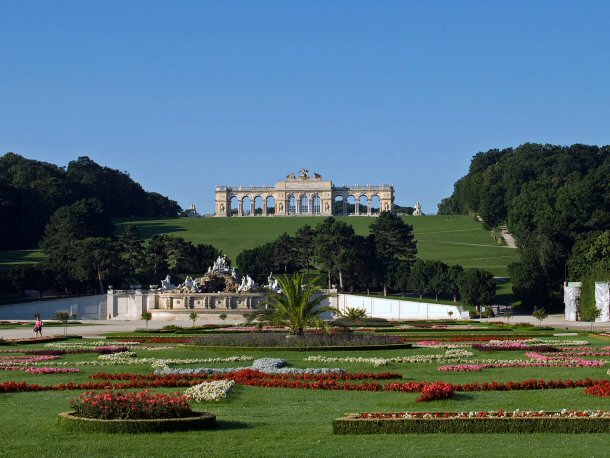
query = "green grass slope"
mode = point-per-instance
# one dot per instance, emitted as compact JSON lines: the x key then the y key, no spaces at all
{"x":453,"y":239}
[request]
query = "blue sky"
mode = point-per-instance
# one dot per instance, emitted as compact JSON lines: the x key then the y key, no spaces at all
{"x":187,"y":95}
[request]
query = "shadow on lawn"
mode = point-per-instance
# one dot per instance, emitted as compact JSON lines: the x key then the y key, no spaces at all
{"x":231,"y":425}
{"x":149,"y":229}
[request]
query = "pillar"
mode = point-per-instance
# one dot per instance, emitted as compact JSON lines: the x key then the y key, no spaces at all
{"x":370,"y":203}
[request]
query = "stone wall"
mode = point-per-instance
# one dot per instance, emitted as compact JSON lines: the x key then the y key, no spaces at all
{"x":85,"y":308}
{"x":399,"y":309}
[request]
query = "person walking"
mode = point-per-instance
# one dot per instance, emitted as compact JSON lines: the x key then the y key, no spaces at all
{"x":38,"y":327}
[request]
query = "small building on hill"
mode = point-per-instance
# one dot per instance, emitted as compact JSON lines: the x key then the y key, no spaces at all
{"x":304,"y":195}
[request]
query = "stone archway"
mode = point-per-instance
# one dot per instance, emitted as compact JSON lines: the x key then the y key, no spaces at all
{"x":269,"y":206}
{"x":375,"y":205}
{"x":339,"y":206}
{"x":351,"y":205}
{"x":259,"y":206}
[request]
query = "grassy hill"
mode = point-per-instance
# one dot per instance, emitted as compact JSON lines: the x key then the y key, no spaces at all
{"x":453,"y":239}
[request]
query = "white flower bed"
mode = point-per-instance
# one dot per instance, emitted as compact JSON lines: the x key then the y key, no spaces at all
{"x":266,"y":365}
{"x":209,"y":391}
{"x":118,"y":355}
{"x":448,"y":356}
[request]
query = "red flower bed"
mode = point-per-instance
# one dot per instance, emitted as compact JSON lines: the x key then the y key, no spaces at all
{"x":137,"y":406}
{"x":436,"y":390}
{"x":251,"y":377}
{"x":602,"y":389}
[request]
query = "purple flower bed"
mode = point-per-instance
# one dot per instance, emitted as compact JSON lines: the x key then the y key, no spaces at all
{"x":307,"y":340}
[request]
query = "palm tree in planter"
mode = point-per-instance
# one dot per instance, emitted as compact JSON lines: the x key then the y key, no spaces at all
{"x":193,"y":317}
{"x":296,"y":307}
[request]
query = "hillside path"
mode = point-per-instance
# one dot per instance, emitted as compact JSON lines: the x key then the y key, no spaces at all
{"x":508,"y":238}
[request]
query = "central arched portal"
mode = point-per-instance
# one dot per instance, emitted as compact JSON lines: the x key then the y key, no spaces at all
{"x":304,"y":205}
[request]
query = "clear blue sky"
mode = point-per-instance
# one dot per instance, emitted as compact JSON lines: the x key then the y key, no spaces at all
{"x":187,"y":95}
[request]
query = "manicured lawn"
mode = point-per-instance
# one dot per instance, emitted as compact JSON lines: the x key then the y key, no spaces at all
{"x":453,"y":239}
{"x":10,"y":259}
{"x":256,"y":421}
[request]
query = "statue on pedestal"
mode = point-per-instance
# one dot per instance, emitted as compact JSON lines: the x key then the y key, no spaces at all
{"x":417,"y":211}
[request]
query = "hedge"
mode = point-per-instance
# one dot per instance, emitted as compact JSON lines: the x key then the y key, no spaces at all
{"x":349,"y":424}
{"x":68,"y":422}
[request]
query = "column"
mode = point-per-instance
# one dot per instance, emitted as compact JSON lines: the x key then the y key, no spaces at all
{"x":357,"y":206}
{"x":240,"y":208}
{"x":345,"y":206}
{"x":370,"y":203}
{"x":252,"y":206}
{"x":264,"y":207}
{"x":310,"y":209}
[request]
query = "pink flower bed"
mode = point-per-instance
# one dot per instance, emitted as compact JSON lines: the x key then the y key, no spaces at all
{"x":51,"y":370}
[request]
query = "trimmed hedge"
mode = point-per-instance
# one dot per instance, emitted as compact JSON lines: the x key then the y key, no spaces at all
{"x":68,"y":422}
{"x":349,"y":424}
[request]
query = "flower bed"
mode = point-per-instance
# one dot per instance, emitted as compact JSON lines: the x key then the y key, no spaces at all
{"x":566,"y":421}
{"x":449,"y":355}
{"x":435,"y":391}
{"x":266,"y":365}
{"x":284,"y":340}
{"x":601,"y":389}
{"x":138,"y":406}
{"x":209,"y":391}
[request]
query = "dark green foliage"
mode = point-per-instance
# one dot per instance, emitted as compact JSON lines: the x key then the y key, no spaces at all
{"x":31,"y":191}
{"x":394,"y":244}
{"x":477,"y":287}
{"x":68,"y":422}
{"x":591,"y":253}
{"x":552,"y":198}
{"x":258,"y":262}
{"x":472,"y":425}
{"x":335,"y":248}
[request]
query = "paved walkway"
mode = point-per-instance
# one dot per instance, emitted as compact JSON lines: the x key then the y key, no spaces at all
{"x":98,"y":328}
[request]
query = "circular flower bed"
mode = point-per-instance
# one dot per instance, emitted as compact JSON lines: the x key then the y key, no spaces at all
{"x":133,"y":412}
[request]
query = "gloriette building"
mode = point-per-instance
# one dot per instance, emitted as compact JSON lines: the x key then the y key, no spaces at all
{"x":304,"y":195}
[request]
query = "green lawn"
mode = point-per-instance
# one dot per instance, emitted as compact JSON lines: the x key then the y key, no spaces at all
{"x":453,"y":239}
{"x":287,"y":422}
{"x":10,"y":259}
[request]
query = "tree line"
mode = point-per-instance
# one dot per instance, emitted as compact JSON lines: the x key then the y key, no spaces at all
{"x":82,"y":254}
{"x":384,"y":260}
{"x":555,"y":200}
{"x":31,"y":191}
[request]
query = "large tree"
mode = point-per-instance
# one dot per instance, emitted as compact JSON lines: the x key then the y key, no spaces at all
{"x":335,"y":248}
{"x":394,"y":244}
